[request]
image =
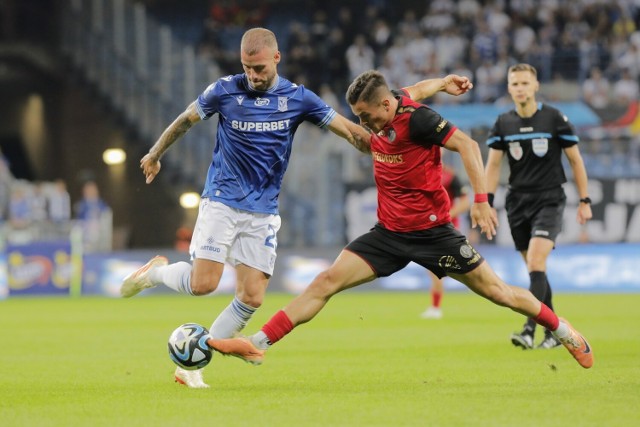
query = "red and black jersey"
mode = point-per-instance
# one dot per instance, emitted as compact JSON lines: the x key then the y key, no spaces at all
{"x":408,"y":170}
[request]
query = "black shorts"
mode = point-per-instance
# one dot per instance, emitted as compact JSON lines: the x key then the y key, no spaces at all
{"x":440,"y":249}
{"x":535,"y":214}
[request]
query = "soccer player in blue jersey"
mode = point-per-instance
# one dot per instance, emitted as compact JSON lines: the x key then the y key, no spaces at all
{"x":258,"y":114}
{"x":533,"y":136}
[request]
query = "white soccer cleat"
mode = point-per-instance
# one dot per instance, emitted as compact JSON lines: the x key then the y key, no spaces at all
{"x":139,"y":280}
{"x":192,"y":379}
{"x":432,"y":313}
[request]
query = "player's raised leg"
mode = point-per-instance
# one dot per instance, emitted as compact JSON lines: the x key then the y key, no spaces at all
{"x":486,"y":283}
{"x":141,"y":279}
{"x":347,"y":271}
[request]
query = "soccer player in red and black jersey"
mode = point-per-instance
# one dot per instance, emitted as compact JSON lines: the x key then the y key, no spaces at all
{"x":413,"y":222}
{"x":533,"y":136}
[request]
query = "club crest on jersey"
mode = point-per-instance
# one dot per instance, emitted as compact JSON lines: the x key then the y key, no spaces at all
{"x":515,"y":149}
{"x":391,"y":135}
{"x":540,"y":146}
{"x":282,"y":103}
{"x":261,"y":102}
{"x":466,"y":251}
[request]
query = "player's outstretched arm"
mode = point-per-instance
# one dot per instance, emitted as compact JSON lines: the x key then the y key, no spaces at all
{"x":357,"y":136}
{"x":150,"y":163}
{"x":481,"y":213}
{"x":452,"y":84}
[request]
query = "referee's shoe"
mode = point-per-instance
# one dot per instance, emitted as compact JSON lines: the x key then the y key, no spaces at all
{"x":523,"y":340}
{"x":548,"y":342}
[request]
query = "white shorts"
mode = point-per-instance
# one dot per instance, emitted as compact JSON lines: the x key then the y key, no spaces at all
{"x":226,"y":234}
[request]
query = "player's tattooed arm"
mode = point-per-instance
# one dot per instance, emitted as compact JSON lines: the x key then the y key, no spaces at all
{"x":175,"y":130}
{"x":150,"y":163}
{"x":360,"y":139}
{"x":355,"y":134}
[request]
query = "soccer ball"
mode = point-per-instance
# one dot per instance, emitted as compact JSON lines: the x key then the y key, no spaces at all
{"x":188,"y":346}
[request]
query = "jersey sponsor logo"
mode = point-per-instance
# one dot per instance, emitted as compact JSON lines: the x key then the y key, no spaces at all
{"x":527,"y":129}
{"x":260,"y":126}
{"x":239,"y":99}
{"x":515,"y":149}
{"x":540,"y":146}
{"x":282,"y":103}
{"x":441,"y":125}
{"x":261,"y":102}
{"x":541,"y":233}
{"x":475,"y":259}
{"x":210,"y":246}
{"x":387,"y":158}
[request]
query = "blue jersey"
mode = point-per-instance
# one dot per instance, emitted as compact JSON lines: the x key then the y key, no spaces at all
{"x":254,"y":138}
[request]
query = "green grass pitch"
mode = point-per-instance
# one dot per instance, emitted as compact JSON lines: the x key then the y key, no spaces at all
{"x":367,"y":360}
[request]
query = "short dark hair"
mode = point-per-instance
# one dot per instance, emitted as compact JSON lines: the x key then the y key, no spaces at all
{"x":524,"y":67}
{"x":365,"y":87}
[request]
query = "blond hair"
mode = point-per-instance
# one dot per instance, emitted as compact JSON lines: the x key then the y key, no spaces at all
{"x":524,"y":67}
{"x":256,"y":39}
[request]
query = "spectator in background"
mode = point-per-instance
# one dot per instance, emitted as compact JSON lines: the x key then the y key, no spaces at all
{"x":596,"y":90}
{"x":20,"y":206}
{"x":489,"y":80}
{"x":359,"y":56}
{"x":6,"y":178}
{"x":90,"y":211}
{"x":625,"y":90}
{"x":38,"y":201}
{"x":450,"y":47}
{"x":419,"y":50}
{"x":523,"y":39}
{"x":59,"y":202}
{"x":20,"y":219}
{"x":484,"y":44}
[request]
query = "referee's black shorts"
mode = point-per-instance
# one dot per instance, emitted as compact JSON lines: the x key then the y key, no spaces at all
{"x":535,"y":214}
{"x":441,"y":249}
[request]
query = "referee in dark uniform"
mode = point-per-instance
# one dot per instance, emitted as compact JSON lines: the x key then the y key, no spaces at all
{"x":533,"y":137}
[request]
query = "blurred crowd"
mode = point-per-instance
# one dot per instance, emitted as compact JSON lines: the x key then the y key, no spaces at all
{"x":584,"y":50}
{"x":589,"y":49}
{"x":37,"y":211}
